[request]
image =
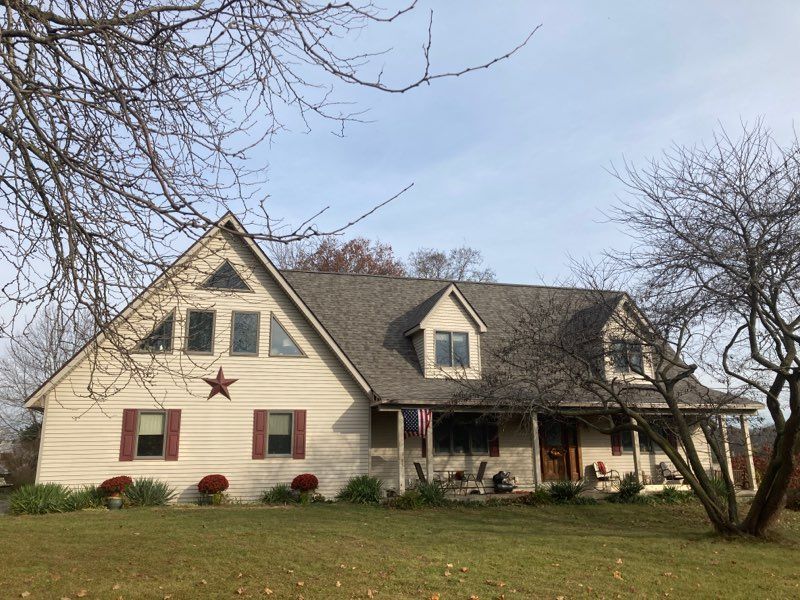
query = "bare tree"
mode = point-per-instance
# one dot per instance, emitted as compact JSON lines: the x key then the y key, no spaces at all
{"x":459,"y":264}
{"x":29,"y":358}
{"x":715,"y":268}
{"x":127,"y":128}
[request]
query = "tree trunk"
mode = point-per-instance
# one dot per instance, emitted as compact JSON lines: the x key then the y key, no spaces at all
{"x":771,"y":496}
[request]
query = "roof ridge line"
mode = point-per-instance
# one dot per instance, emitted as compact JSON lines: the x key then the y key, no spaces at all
{"x":447,"y":281}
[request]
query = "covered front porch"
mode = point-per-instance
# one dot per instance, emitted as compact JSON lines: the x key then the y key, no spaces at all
{"x":535,"y":449}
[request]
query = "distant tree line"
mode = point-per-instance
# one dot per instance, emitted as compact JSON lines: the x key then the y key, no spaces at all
{"x":363,"y":256}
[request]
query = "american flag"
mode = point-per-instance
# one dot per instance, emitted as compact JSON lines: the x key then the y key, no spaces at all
{"x":416,"y":421}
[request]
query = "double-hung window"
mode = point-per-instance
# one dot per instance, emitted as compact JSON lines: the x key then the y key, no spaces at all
{"x":452,"y":349}
{"x":279,"y":433}
{"x":150,"y":434}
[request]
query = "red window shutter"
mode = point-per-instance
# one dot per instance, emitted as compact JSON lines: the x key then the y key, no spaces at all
{"x":299,"y":450}
{"x":259,"y":433}
{"x":127,"y":443}
{"x":494,"y":442}
{"x":173,"y":434}
{"x":616,"y":444}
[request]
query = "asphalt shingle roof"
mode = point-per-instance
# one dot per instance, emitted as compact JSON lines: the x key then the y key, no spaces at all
{"x":367,"y":316}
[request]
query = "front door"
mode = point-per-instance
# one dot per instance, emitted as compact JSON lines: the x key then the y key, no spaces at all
{"x":558,"y":443}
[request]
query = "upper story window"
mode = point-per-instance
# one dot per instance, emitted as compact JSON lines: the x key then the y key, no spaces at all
{"x":150,"y":434}
{"x":244,"y":332}
{"x":627,"y":356}
{"x":452,"y":349}
{"x":280,"y":342}
{"x":160,"y":339}
{"x":200,"y":331}
{"x":226,"y":278}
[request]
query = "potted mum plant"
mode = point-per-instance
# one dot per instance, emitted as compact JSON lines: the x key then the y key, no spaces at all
{"x":211,"y":488}
{"x":304,"y":486}
{"x":113,"y":488}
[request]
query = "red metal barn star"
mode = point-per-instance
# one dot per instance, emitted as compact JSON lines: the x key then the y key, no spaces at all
{"x":220,"y":385}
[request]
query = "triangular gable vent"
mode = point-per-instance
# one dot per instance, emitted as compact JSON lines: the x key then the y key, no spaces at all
{"x":226,"y":278}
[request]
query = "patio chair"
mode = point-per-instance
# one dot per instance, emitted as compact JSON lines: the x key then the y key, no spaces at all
{"x":605,"y":475}
{"x":478,"y":479}
{"x":420,"y":473}
{"x":668,"y":474}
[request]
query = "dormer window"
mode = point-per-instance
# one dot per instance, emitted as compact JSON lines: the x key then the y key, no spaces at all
{"x":452,"y":349}
{"x":627,"y":356}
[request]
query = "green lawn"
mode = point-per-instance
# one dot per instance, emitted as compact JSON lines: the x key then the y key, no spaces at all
{"x":340,"y":551}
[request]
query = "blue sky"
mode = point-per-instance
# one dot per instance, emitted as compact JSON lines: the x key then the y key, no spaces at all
{"x":513,"y":160}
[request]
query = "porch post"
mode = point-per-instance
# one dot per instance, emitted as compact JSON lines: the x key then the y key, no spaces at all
{"x":637,"y":457}
{"x":748,"y":451}
{"x":429,"y":452}
{"x":401,"y":454}
{"x":726,"y":446}
{"x":537,"y":461}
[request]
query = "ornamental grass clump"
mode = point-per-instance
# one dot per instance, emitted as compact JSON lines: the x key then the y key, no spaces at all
{"x":565,"y":491}
{"x":629,"y":491}
{"x":89,"y":496}
{"x":362,"y":489}
{"x":148,"y":492}
{"x":40,"y":499}
{"x":278,"y":494}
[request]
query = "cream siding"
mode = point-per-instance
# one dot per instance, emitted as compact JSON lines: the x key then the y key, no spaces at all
{"x":450,"y":315}
{"x":81,"y":439}
{"x":418,"y":340}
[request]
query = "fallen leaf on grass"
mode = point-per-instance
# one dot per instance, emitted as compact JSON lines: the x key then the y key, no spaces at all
{"x":203,"y":582}
{"x":449,"y":565}
{"x":338,"y":584}
{"x":617,"y":575}
{"x":370,"y":593}
{"x":82,"y":594}
{"x":434,"y":597}
{"x":240,"y":591}
{"x":300,"y":583}
{"x":24,"y":594}
{"x":464,"y":569}
{"x":619,"y":561}
{"x":268,"y":592}
{"x":116,"y":586}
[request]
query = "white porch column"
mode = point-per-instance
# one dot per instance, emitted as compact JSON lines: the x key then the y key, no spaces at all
{"x":537,"y":460}
{"x":429,"y":453}
{"x":637,"y":456}
{"x":401,"y":454}
{"x":726,"y":446}
{"x":748,"y":451}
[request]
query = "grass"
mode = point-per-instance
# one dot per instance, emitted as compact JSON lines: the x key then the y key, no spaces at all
{"x":518,"y":551}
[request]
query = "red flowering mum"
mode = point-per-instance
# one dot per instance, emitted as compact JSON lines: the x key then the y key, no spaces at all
{"x":305,"y":482}
{"x":115,"y":485}
{"x":212,"y":484}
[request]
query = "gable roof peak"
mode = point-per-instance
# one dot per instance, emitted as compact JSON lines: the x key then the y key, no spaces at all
{"x":427,"y":308}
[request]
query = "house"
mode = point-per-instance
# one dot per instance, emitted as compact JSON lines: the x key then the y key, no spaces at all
{"x":263,"y":374}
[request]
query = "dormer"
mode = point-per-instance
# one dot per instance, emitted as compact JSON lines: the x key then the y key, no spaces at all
{"x":625,"y":339}
{"x":447,"y":336}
